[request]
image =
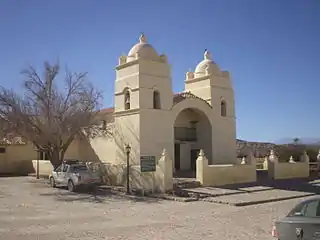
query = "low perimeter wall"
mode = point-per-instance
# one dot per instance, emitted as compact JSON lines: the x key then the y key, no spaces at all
{"x":281,"y":170}
{"x":45,"y":167}
{"x":218,"y":175}
{"x":115,"y":175}
{"x":158,"y":181}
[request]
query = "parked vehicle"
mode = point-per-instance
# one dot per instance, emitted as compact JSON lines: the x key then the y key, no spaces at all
{"x":302,"y":222}
{"x":74,"y":174}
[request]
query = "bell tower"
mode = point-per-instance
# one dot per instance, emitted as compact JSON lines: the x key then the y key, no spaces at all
{"x":213,"y":85}
{"x":143,"y":95}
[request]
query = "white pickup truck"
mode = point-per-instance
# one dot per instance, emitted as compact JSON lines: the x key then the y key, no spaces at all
{"x":74,"y":175}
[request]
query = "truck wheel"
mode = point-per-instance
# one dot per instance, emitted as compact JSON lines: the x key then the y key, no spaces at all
{"x":71,"y":186}
{"x":52,"y":182}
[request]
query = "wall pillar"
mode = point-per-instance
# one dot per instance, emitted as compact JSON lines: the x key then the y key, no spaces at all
{"x":202,"y":167}
{"x":165,"y":164}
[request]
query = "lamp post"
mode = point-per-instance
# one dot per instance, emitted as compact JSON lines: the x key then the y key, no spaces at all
{"x":37,"y":170}
{"x":128,"y":150}
{"x":38,"y":165}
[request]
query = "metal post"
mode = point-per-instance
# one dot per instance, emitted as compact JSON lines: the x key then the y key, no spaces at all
{"x":128,"y":148}
{"x":37,"y":165}
{"x":128,"y":174}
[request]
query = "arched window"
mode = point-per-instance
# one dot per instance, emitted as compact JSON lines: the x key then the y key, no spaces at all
{"x":223,"y":108}
{"x":127,"y":100}
{"x":156,"y":100}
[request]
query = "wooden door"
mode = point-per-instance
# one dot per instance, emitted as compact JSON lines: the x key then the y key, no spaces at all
{"x":193,"y":161}
{"x":177,"y":156}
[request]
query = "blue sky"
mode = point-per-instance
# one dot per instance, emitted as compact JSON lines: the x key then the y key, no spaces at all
{"x":271,"y":48}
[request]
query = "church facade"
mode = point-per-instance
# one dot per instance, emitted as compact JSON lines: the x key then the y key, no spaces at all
{"x":149,"y":117}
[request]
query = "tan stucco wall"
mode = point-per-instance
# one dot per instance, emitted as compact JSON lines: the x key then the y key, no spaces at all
{"x":126,"y":131}
{"x":18,"y":158}
{"x":159,"y":181}
{"x":99,"y":149}
{"x":288,"y":170}
{"x":218,"y":175}
{"x":45,"y":167}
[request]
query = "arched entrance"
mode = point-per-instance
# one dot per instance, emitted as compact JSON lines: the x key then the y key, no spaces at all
{"x":192,"y":132}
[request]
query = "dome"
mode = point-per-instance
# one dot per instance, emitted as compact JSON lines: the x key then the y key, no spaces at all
{"x":206,"y":64}
{"x":143,"y":49}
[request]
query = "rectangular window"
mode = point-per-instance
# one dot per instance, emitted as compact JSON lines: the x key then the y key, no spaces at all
{"x":2,"y":150}
{"x":43,"y":156}
{"x":185,"y":134}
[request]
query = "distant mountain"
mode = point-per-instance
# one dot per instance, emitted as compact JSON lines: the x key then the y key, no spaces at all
{"x":261,"y":149}
{"x":308,"y":141}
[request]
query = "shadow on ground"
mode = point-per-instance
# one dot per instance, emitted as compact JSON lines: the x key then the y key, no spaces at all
{"x":263,"y":183}
{"x":305,"y":185}
{"x":99,"y":195}
{"x":262,"y":191}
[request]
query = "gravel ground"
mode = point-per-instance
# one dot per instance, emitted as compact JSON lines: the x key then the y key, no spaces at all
{"x":30,"y":209}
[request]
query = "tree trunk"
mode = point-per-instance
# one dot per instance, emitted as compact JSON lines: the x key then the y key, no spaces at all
{"x":61,"y":155}
{"x":55,"y":158}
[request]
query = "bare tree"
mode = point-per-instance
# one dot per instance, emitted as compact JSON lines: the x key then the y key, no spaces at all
{"x":49,"y":113}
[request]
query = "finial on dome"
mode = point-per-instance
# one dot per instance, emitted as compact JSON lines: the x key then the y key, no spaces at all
{"x":207,"y":54}
{"x":164,"y":152}
{"x":142,"y":38}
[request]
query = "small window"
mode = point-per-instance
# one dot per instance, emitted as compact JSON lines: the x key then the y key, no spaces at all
{"x":127,"y":100}
{"x":223,"y":108}
{"x":2,"y":150}
{"x":156,"y":100}
{"x":43,"y":155}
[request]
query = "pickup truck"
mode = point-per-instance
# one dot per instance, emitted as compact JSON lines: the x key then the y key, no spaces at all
{"x":74,"y":175}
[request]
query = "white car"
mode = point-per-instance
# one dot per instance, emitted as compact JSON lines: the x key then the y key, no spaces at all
{"x":74,"y":175}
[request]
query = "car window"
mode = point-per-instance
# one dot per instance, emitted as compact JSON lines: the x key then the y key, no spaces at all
{"x":78,"y":168}
{"x":58,"y":169}
{"x":312,"y":209}
{"x":65,"y":169}
{"x":309,"y":209}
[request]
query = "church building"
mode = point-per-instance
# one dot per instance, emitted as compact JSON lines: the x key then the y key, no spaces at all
{"x":149,"y":117}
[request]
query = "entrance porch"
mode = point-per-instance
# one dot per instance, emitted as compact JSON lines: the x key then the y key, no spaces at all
{"x":192,"y":132}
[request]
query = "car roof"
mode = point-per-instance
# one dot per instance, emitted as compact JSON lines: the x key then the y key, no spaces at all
{"x":315,"y":198}
{"x":310,"y":199}
{"x":71,"y":161}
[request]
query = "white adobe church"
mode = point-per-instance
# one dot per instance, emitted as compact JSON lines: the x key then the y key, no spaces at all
{"x":150,"y":117}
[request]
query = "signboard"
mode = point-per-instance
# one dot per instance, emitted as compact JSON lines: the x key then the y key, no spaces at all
{"x":148,"y":163}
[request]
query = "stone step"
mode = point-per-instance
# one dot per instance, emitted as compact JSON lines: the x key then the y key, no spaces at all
{"x":186,"y":184}
{"x":245,"y":199}
{"x":251,"y":195}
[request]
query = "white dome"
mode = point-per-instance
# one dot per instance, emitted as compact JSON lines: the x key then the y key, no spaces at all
{"x":143,"y":49}
{"x":206,"y":63}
